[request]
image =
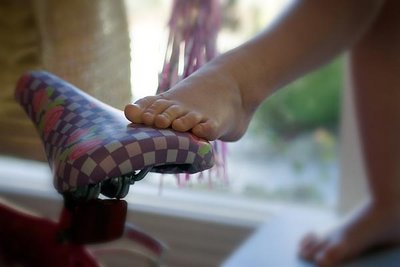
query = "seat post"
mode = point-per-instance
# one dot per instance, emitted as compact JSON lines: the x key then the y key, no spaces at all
{"x":92,"y":221}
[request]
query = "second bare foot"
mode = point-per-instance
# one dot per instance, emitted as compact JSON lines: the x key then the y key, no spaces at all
{"x":370,"y":227}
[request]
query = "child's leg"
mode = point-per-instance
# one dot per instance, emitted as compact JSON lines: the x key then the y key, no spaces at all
{"x":375,"y":69}
{"x":218,"y":100}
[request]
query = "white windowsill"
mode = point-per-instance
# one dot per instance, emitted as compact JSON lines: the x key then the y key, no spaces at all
{"x":34,"y":179}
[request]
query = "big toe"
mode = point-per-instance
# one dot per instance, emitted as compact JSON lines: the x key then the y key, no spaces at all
{"x":310,"y":246}
{"x":133,"y":113}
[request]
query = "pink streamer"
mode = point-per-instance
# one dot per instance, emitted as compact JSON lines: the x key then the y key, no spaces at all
{"x":193,"y":30}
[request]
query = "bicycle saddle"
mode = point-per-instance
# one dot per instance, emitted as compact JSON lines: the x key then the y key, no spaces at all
{"x":93,"y":149}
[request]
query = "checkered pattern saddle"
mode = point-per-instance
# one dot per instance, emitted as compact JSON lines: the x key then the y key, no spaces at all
{"x":88,"y":142}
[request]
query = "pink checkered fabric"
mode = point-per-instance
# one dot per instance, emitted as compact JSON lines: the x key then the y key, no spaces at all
{"x":87,"y":141}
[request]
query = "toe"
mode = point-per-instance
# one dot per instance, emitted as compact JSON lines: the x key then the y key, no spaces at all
{"x":307,"y":240}
{"x":311,"y":246}
{"x":330,"y":255}
{"x":308,"y":246}
{"x":154,"y":109}
{"x":186,"y":122}
{"x":143,"y":103}
{"x":162,"y":121}
{"x":133,"y":113}
{"x":165,"y":119}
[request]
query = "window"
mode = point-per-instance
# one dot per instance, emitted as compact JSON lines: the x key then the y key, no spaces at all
{"x":290,"y":153}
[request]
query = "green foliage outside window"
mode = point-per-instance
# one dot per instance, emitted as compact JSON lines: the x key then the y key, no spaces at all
{"x":307,"y":103}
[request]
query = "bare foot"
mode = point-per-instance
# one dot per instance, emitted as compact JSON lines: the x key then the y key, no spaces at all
{"x":370,"y":227}
{"x":207,"y":103}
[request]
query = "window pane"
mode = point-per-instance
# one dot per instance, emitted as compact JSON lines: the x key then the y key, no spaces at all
{"x":290,"y":152}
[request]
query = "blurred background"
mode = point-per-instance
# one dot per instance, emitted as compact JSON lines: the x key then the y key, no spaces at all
{"x":290,"y":153}
{"x":114,"y":50}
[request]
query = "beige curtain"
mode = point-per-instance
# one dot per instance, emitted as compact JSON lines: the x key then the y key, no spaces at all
{"x":85,"y":42}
